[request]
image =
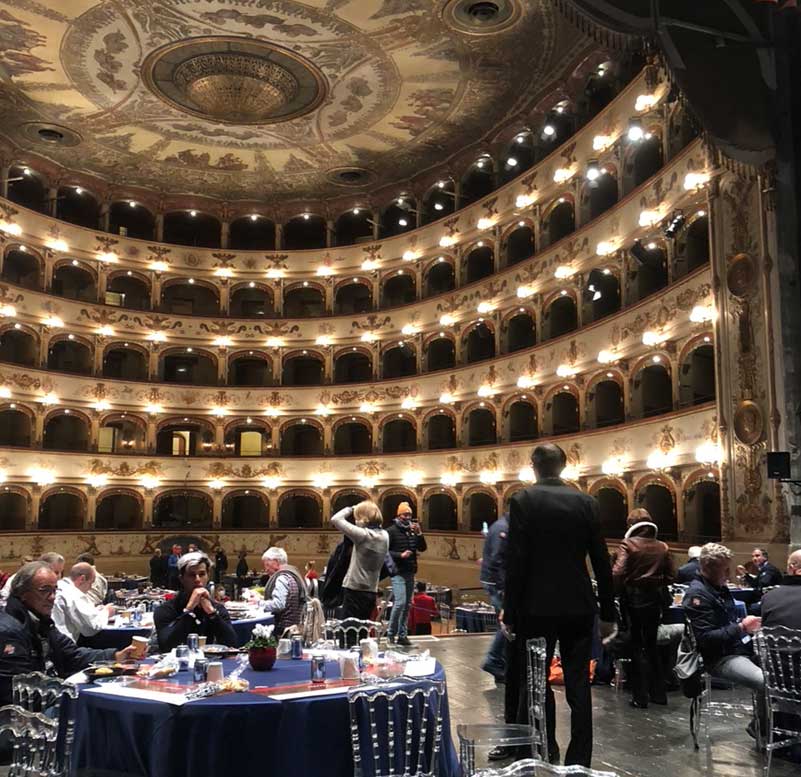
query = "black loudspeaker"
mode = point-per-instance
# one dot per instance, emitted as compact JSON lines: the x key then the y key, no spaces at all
{"x":779,"y":465}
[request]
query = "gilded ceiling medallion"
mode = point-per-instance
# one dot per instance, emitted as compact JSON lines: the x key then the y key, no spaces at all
{"x":234,"y":80}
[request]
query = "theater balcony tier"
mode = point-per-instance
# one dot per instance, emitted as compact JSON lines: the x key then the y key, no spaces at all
{"x":666,"y":464}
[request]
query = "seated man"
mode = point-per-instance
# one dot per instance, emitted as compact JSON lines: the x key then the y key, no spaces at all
{"x":725,"y":644}
{"x":192,"y":611}
{"x":29,"y":640}
{"x":74,"y":613}
{"x":686,"y":573}
{"x":55,"y":562}
{"x":99,"y":590}
{"x":284,"y":591}
{"x":782,"y":605}
{"x":766,"y":574}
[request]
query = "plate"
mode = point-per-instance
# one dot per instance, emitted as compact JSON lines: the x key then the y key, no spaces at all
{"x":220,"y":651}
{"x":101,"y":671}
{"x":121,"y":680}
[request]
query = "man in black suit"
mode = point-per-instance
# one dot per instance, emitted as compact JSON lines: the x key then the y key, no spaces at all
{"x":686,"y":573}
{"x":782,"y":605}
{"x":766,"y":575}
{"x":553,"y":527}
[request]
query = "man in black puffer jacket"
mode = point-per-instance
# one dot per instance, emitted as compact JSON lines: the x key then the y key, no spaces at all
{"x":29,"y":640}
{"x":406,"y":540}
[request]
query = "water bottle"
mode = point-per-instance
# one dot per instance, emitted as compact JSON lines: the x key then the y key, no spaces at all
{"x":484,"y":529}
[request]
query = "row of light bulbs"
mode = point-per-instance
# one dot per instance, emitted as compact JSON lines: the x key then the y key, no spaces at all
{"x":707,"y":454}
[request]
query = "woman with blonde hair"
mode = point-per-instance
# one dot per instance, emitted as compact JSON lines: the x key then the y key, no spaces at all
{"x":370,"y":544}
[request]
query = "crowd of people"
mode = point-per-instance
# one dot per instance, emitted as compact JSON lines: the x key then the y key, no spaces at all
{"x":551,"y":595}
{"x":50,"y":613}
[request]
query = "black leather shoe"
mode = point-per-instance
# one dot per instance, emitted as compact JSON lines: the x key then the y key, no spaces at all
{"x":500,"y":753}
{"x":640,"y":705}
{"x":405,"y":641}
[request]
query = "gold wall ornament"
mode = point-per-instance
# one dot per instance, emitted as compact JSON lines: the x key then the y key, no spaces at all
{"x":741,"y":276}
{"x":749,"y":422}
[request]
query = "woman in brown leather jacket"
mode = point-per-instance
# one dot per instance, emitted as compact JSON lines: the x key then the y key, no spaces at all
{"x":642,"y":571}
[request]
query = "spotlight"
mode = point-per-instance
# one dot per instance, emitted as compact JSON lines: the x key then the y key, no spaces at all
{"x":254,"y":216}
{"x":636,"y":132}
{"x":355,"y":211}
{"x":403,"y":223}
{"x":306,"y":216}
{"x":439,"y":206}
{"x":675,"y":223}
{"x":511,"y":161}
{"x":193,"y":213}
{"x":78,"y":190}
{"x":593,"y":171}
{"x":549,"y":130}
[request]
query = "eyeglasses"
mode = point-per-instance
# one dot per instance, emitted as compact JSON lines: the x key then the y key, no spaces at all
{"x":46,"y":590}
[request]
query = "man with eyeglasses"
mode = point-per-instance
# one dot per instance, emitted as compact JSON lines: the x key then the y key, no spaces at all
{"x":29,"y":640}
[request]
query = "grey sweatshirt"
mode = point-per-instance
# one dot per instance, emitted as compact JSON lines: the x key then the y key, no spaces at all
{"x":369,"y":551}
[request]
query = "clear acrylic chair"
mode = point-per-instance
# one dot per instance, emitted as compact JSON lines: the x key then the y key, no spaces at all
{"x":534,"y":736}
{"x":780,"y":656}
{"x":396,"y":732}
{"x":444,"y":619}
{"x":33,"y":737}
{"x":54,"y":698}
{"x":705,"y":706}
{"x":531,"y":767}
{"x":349,"y":632}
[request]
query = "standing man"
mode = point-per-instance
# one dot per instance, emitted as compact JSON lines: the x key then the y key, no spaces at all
{"x":782,"y":605}
{"x":493,"y":578}
{"x":220,"y":565}
{"x":406,"y":540}
{"x":158,"y":569}
{"x":172,"y":568}
{"x":552,"y":529}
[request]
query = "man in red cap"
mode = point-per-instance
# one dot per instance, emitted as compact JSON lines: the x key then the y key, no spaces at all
{"x":406,"y":540}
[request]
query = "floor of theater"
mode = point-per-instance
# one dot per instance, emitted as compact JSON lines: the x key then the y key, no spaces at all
{"x":633,"y":743}
{"x":639,"y":743}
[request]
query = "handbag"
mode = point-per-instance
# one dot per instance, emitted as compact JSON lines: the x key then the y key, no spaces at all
{"x":689,"y":665}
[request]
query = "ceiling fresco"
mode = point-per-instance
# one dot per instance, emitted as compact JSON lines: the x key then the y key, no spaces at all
{"x":237,"y":99}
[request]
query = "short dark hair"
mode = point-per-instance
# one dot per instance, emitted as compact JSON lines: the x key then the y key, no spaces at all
{"x":85,"y":558}
{"x":762,"y":551}
{"x":420,"y":586}
{"x":548,"y":460}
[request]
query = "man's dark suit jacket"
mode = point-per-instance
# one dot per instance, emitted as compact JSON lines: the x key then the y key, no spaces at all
{"x":552,"y":529}
{"x":782,"y":605}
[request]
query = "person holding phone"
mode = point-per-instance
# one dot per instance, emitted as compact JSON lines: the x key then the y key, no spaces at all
{"x":406,"y":540}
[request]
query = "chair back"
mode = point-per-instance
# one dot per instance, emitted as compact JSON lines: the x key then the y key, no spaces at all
{"x":530,"y":767}
{"x":780,"y":656}
{"x":34,"y":738}
{"x":536,"y":678}
{"x":396,"y":733}
{"x":445,"y":618}
{"x":350,"y":631}
{"x":39,"y":693}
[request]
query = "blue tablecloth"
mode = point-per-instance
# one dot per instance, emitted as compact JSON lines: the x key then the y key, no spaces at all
{"x":121,"y":637}
{"x":233,"y":734}
{"x":471,"y":620}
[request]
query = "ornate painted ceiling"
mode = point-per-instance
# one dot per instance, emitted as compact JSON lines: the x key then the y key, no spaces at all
{"x":271,"y":100}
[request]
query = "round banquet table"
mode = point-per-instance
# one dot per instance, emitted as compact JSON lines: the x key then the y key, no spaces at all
{"x":232,"y":734}
{"x":120,"y":636}
{"x":470,"y":620}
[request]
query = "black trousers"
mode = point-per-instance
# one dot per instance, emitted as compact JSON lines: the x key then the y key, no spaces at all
{"x":647,"y":676}
{"x":575,"y":648}
{"x":357,"y":604}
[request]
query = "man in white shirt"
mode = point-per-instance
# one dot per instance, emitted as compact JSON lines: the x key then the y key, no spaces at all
{"x":74,"y":612}
{"x":97,"y":593}
{"x":54,"y":560}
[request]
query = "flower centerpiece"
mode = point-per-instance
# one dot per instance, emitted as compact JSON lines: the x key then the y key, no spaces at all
{"x":262,"y":648}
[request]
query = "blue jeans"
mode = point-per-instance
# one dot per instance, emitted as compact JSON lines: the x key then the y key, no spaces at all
{"x":402,"y":590}
{"x":495,"y":661}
